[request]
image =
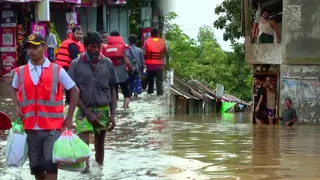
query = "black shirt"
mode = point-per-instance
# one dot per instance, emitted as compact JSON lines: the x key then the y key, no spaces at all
{"x":258,"y":92}
{"x":73,"y":51}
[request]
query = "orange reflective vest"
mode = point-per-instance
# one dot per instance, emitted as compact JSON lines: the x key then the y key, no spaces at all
{"x":43,"y":103}
{"x":63,"y":55}
{"x":154,"y":51}
{"x":114,"y":50}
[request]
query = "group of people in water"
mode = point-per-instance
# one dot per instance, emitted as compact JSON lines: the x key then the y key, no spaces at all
{"x":265,"y":103}
{"x":90,"y":72}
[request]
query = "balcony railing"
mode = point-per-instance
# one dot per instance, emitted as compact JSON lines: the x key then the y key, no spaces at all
{"x":263,"y":53}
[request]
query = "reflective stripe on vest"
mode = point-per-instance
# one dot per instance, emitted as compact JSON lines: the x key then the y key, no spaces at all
{"x":154,"y":51}
{"x":49,"y":113}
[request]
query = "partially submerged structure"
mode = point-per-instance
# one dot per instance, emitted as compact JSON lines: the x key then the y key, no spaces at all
{"x":293,"y":63}
{"x":193,"y":97}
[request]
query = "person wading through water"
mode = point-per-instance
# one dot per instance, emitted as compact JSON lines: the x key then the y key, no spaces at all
{"x":154,"y":50}
{"x":115,"y":50}
{"x":38,"y":98}
{"x":70,"y":50}
{"x":96,"y":78}
{"x":136,"y":57}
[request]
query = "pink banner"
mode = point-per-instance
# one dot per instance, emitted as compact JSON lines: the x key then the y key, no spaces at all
{"x":71,"y":1}
{"x":8,"y":61}
{"x":39,"y":28}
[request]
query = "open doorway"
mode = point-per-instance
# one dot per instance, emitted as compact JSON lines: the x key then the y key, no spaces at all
{"x":268,"y":80}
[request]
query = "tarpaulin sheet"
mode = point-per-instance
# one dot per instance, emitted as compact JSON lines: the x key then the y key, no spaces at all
{"x":226,"y":106}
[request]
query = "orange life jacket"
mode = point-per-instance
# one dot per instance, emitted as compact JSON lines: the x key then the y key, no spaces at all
{"x":63,"y":56}
{"x":114,"y":50}
{"x":43,"y":103}
{"x":154,"y":51}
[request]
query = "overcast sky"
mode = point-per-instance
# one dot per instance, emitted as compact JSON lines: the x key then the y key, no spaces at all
{"x":194,"y":14}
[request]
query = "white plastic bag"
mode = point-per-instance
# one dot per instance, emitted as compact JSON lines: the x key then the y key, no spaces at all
{"x":17,"y":147}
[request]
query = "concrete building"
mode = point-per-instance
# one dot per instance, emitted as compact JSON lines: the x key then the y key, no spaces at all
{"x":295,"y":61}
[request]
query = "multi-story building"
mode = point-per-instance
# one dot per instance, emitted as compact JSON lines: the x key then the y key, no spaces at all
{"x":295,"y":61}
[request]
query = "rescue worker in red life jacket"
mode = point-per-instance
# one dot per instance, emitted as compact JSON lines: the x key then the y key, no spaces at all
{"x":154,"y":51}
{"x":69,"y":50}
{"x":116,"y":51}
{"x":38,"y":98}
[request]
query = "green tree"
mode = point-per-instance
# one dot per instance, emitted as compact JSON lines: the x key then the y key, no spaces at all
{"x":229,"y":12}
{"x":205,"y":61}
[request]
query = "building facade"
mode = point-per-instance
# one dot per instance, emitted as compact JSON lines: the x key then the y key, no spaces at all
{"x":293,"y":63}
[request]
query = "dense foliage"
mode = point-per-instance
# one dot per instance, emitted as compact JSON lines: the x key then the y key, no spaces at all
{"x":204,"y":60}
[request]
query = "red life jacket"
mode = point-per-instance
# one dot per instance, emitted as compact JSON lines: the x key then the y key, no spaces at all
{"x":63,"y":55}
{"x":114,"y":50}
{"x":43,"y":103}
{"x":154,"y":51}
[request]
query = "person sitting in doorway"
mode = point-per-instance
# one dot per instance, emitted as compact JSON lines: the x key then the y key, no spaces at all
{"x":289,"y":115}
{"x":266,"y":28}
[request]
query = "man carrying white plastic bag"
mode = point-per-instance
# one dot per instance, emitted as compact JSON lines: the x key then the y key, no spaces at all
{"x":38,"y":98}
{"x":16,"y":148}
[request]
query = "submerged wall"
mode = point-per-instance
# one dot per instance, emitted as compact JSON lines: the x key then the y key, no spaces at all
{"x":300,"y":83}
{"x":300,"y":67}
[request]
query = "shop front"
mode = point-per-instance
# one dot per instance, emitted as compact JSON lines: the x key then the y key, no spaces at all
{"x":15,"y":23}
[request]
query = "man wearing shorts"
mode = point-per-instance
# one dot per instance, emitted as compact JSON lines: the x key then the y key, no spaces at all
{"x":259,"y":97}
{"x":271,"y":99}
{"x":38,"y":98}
{"x":115,"y":49}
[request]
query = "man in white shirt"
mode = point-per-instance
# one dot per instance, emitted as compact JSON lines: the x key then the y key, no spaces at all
{"x":52,"y":43}
{"x":37,"y":93}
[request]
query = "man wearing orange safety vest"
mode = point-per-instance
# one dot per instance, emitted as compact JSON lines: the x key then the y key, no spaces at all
{"x":116,"y":51}
{"x":154,"y":51}
{"x":38,"y":98}
{"x":69,"y":50}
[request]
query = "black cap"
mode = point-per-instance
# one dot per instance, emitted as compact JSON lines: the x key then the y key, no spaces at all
{"x":35,"y":39}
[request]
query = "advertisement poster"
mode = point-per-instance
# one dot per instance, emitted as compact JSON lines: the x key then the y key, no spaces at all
{"x":7,"y":37}
{"x":146,"y":33}
{"x":8,"y":62}
{"x":39,"y":28}
{"x":72,"y":20}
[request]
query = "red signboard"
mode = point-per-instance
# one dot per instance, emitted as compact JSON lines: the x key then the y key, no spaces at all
{"x":8,"y":61}
{"x":146,"y":33}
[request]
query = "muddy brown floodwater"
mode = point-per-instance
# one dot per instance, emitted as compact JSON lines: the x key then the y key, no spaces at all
{"x":148,"y":145}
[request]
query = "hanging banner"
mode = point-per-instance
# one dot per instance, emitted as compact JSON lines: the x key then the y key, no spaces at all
{"x":146,"y":33}
{"x":8,"y":62}
{"x":72,"y":20}
{"x":88,"y":3}
{"x":71,"y":1}
{"x":146,"y":16}
{"x":39,"y":28}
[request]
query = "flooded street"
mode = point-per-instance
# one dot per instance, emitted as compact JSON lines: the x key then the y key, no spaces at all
{"x":148,"y":145}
